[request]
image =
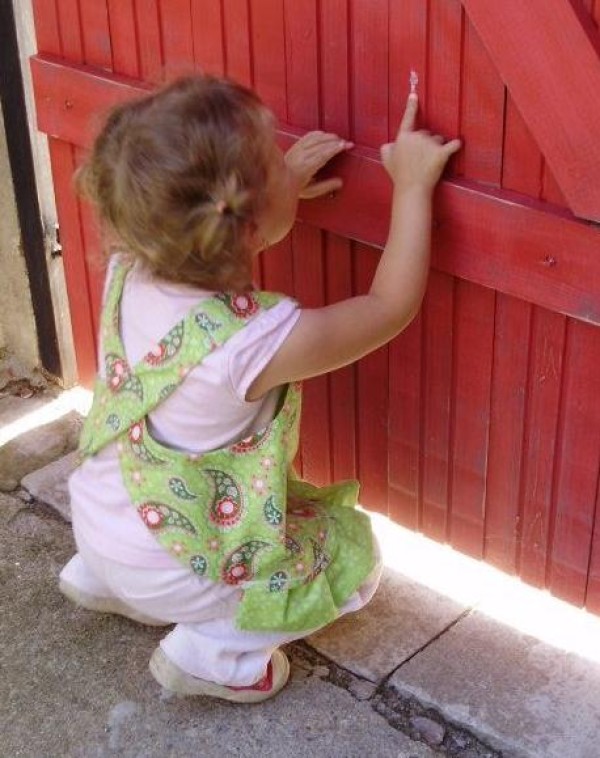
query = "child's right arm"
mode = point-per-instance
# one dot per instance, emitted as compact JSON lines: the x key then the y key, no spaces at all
{"x":327,"y":338}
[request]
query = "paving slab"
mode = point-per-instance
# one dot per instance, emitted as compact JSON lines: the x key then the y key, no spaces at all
{"x":524,"y":697}
{"x":50,"y":484}
{"x":37,"y":447}
{"x":401,"y":619}
{"x":13,"y":408}
{"x":10,"y":506}
{"x":76,"y":684}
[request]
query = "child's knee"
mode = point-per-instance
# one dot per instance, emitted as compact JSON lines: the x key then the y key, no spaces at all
{"x":78,"y":574}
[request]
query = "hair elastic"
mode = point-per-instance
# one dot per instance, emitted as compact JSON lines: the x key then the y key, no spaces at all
{"x":221,"y":207}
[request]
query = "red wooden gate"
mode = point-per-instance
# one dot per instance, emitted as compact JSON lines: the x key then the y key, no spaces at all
{"x":480,"y":425}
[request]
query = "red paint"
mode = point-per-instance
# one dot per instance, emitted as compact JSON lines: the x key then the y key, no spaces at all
{"x":236,"y":33}
{"x":373,"y":401}
{"x":543,"y":392}
{"x":482,"y":112}
{"x":474,"y":314}
{"x":507,"y":418}
{"x":404,"y":420}
{"x":309,"y":288}
{"x":437,"y":354}
{"x":176,"y":36}
{"x":479,"y":425}
{"x":551,"y":69}
{"x":522,"y":164}
{"x":208,"y":42}
{"x":342,"y":383}
{"x":122,"y":22}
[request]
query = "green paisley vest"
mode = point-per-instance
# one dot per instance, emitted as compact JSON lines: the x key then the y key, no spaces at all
{"x":236,"y":515}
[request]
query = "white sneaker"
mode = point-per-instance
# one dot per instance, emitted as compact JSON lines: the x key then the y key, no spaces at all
{"x":171,"y":677}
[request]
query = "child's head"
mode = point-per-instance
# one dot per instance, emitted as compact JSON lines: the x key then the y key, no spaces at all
{"x":182,"y":177}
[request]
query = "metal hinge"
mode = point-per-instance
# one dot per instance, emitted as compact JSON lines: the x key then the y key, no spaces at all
{"x":55,"y":244}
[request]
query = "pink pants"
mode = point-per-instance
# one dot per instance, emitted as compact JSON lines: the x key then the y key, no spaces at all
{"x":205,"y":641}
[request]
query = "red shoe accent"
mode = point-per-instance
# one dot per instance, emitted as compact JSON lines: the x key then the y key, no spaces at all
{"x":263,"y":685}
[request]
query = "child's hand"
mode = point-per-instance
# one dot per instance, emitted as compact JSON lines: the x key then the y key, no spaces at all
{"x":416,"y":159}
{"x":309,"y":155}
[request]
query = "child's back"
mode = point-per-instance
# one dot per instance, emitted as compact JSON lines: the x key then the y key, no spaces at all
{"x":207,"y":412}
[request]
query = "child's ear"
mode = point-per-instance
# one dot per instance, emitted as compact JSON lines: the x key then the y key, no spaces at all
{"x":254,"y":240}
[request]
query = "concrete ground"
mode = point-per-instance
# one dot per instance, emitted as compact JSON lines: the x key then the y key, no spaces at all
{"x":430,"y":668}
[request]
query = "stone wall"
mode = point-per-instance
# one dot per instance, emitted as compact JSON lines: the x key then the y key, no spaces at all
{"x":17,"y":326}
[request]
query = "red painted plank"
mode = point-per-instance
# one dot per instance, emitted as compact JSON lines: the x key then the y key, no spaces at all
{"x":84,"y":335}
{"x":237,"y":41}
{"x":301,"y":59}
{"x":522,"y":163}
{"x":369,"y":22}
{"x":404,"y":446}
{"x":407,"y":52}
{"x":45,"y":16}
{"x":342,"y":383}
{"x":207,"y":32}
{"x":70,"y":98}
{"x":444,"y":68}
{"x":592,"y":600}
{"x":334,"y":81}
{"x":309,"y":289}
{"x":97,"y":49}
{"x":482,"y":113}
{"x":176,"y":35}
{"x":473,"y":342}
{"x":545,"y":258}
{"x":551,"y":69}
{"x":277,"y":267}
{"x":436,"y":403}
{"x":509,"y":385}
{"x":533,"y":255}
{"x":268,"y":48}
{"x":578,"y":463}
{"x":93,"y":257}
{"x":70,"y":30}
{"x":372,"y":393}
{"x":551,"y":192}
{"x":147,"y":16}
{"x":123,"y":37}
{"x":539,"y":445}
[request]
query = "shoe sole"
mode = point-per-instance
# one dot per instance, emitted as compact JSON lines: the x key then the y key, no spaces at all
{"x":172,"y":678}
{"x":105,"y":605}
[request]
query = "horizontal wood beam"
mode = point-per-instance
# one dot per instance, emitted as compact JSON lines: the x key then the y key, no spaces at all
{"x":497,"y":239}
{"x":548,"y":54}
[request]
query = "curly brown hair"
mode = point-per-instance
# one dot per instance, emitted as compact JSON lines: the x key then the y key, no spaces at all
{"x":179,"y":177}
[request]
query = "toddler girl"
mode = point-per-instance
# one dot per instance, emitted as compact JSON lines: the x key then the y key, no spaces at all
{"x":186,"y":509}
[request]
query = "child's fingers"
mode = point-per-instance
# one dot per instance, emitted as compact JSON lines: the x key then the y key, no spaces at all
{"x":326,"y":150}
{"x":318,"y":189}
{"x":386,"y":152}
{"x":452,"y":147}
{"x":409,"y":119}
{"x":313,"y":140}
{"x":316,"y":159}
